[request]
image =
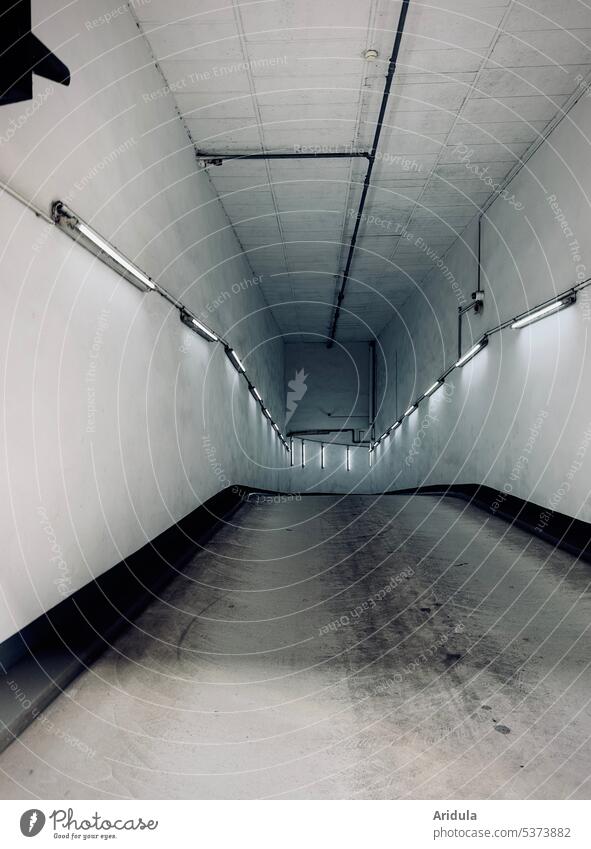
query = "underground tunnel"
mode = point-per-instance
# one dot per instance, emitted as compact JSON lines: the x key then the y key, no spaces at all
{"x":296,"y":426}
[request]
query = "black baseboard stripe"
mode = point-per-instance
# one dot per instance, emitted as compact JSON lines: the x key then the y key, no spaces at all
{"x":562,"y":531}
{"x":38,"y":662}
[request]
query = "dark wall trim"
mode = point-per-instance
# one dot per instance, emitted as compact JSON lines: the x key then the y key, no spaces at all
{"x":43,"y":658}
{"x":572,"y":535}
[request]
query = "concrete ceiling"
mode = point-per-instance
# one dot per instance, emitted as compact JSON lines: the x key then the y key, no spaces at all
{"x":275,"y":74}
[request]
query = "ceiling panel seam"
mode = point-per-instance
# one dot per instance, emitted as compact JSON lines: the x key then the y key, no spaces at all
{"x":189,"y":136}
{"x":418,"y":203}
{"x":260,"y":130}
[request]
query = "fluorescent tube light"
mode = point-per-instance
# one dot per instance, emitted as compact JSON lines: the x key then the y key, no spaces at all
{"x":322,"y":455}
{"x":303,"y":453}
{"x":198,"y":326}
{"x":205,"y":331}
{"x":276,"y":428}
{"x":433,"y":388}
{"x":267,"y":413}
{"x":411,"y":409}
{"x":542,"y":312}
{"x":348,"y":459}
{"x":67,"y":219}
{"x":471,"y":352}
{"x":114,"y":254}
{"x":291,"y":451}
{"x":256,"y":394}
{"x":235,"y":359}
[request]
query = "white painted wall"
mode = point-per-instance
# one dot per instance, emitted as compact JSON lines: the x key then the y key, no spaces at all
{"x":518,"y":416}
{"x":81,"y":489}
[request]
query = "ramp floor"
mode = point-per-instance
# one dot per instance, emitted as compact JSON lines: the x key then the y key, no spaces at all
{"x":337,"y":647}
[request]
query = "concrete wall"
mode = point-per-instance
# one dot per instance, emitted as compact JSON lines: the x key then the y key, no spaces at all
{"x":332,"y":392}
{"x":518,"y":416}
{"x":108,"y":397}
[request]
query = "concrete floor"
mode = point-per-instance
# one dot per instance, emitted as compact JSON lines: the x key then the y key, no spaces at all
{"x":463,"y":671}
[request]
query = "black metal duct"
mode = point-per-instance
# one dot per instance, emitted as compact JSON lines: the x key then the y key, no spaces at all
{"x":372,"y":159}
{"x":220,"y":158}
{"x":22,"y":55}
{"x":326,"y":431}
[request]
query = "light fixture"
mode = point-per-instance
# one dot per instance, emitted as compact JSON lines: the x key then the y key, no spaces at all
{"x":397,"y":424}
{"x":471,"y":352}
{"x":542,"y":312}
{"x":303,"y":453}
{"x":348,"y":458}
{"x":256,"y":394}
{"x":267,"y":413}
{"x":73,"y":225}
{"x":371,"y":54}
{"x":235,"y":360}
{"x":411,"y":410}
{"x":276,"y":428}
{"x":198,"y":326}
{"x":433,"y":388}
{"x":291,"y":451}
{"x":322,"y":455}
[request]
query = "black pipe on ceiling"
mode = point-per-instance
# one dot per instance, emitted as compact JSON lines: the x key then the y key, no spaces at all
{"x":219,"y":159}
{"x":372,"y":159}
{"x":326,"y":431}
